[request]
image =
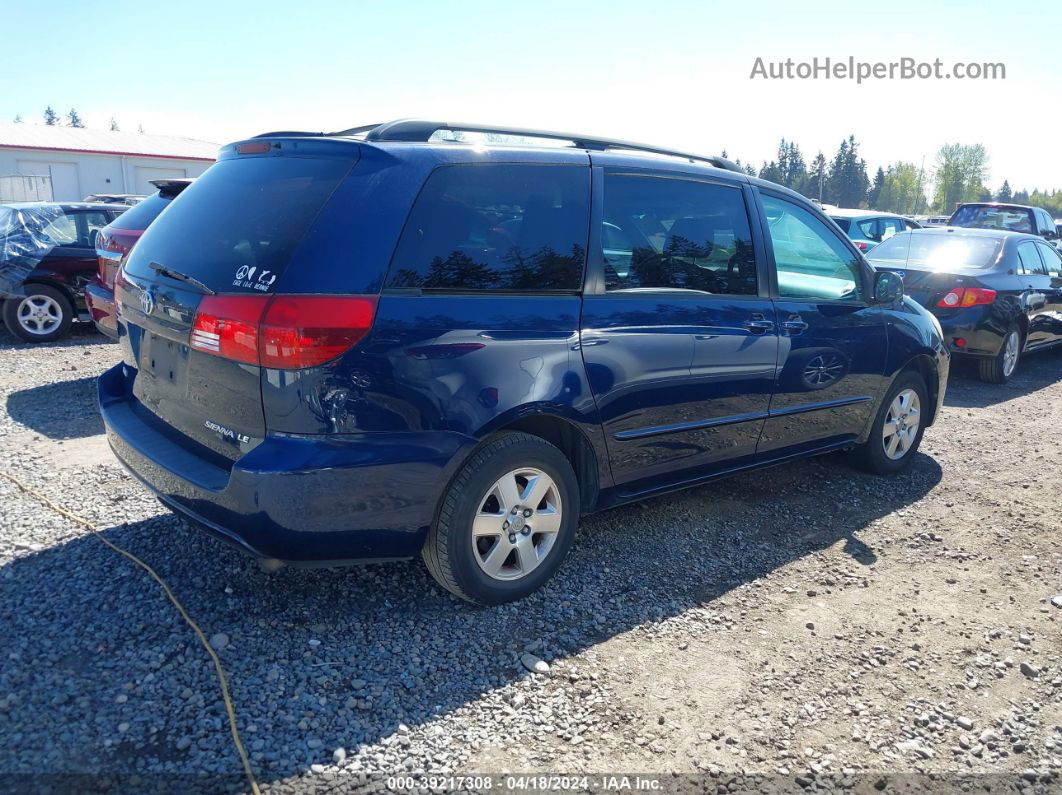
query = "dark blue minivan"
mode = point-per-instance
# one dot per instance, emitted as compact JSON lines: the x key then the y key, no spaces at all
{"x":374,"y":344}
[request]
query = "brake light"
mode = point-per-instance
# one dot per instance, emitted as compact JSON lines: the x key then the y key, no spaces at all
{"x":861,"y":245}
{"x":963,"y":297}
{"x":308,"y":330}
{"x":286,"y":332}
{"x":254,"y":149}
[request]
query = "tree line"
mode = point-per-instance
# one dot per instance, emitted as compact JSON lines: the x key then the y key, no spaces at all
{"x":73,"y":119}
{"x":957,"y":173}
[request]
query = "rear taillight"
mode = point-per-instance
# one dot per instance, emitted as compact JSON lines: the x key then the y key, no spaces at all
{"x":962,"y":297}
{"x":861,"y":245}
{"x":227,"y":326}
{"x":112,"y":246}
{"x":287,"y":332}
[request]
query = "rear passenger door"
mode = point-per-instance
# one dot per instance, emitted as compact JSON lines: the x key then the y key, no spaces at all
{"x":677,"y":335}
{"x":1036,"y":296}
{"x":1053,"y":261}
{"x":832,"y":343}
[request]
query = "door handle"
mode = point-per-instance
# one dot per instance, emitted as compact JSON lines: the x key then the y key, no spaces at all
{"x":758,"y":324}
{"x":795,"y":325}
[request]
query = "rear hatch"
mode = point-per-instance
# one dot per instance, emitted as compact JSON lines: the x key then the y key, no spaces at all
{"x":194,"y":288}
{"x":933,"y":262}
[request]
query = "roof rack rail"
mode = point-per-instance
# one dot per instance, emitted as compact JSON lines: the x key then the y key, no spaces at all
{"x":421,"y":130}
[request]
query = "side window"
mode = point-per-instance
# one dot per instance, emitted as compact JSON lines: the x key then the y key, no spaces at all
{"x":811,"y":261}
{"x":910,"y":224}
{"x":676,"y":234}
{"x":1030,"y":260}
{"x":496,"y":227}
{"x":60,"y":231}
{"x":870,"y":229}
{"x":1052,"y":259}
{"x":89,"y":225}
{"x":890,"y":226}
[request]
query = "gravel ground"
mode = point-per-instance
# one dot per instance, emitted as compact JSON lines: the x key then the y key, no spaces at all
{"x":804,"y":627}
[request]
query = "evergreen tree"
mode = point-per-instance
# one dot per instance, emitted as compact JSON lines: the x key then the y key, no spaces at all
{"x":51,"y":118}
{"x":1021,"y":197}
{"x":817,"y":178}
{"x":18,"y":118}
{"x":874,"y":194}
{"x":1005,"y":193}
{"x":140,"y":128}
{"x":848,"y":181}
{"x":114,"y":125}
{"x":73,"y":119}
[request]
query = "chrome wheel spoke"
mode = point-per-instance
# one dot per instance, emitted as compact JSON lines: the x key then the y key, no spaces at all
{"x":495,"y":559}
{"x":508,"y":492}
{"x":488,"y":524}
{"x":527,"y":555}
{"x":535,"y":490}
{"x":547,"y":521}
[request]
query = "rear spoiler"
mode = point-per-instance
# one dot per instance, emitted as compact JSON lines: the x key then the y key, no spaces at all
{"x":172,"y":187}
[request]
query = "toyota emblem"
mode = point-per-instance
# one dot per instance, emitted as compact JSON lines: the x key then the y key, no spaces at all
{"x":147,"y":302}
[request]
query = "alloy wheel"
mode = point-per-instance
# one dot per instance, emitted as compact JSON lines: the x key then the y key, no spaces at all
{"x":1010,"y":353}
{"x":901,"y":424}
{"x":516,"y":524}
{"x":39,"y":314}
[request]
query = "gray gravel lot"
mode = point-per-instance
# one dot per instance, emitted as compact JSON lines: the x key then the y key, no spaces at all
{"x":777,"y":629}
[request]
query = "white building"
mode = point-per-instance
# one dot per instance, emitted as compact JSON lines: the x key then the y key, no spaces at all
{"x":82,"y":161}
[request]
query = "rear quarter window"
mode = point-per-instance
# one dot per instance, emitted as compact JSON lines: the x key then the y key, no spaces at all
{"x":496,"y":227}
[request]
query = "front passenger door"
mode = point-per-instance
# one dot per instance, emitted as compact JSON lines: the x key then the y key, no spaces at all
{"x":832,"y":343}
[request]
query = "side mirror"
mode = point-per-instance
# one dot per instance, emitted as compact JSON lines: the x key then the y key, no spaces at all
{"x":888,"y":288}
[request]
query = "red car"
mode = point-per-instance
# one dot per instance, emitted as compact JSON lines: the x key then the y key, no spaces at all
{"x":47,"y":256}
{"x":114,"y":243}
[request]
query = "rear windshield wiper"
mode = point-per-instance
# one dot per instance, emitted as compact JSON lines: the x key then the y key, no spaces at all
{"x":162,"y":270}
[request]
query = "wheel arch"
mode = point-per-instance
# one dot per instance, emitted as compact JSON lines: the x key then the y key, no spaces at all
{"x":571,"y":441}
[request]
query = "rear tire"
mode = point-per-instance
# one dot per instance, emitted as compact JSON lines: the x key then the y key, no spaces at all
{"x":43,"y":314}
{"x":898,"y":428}
{"x":505,"y":522}
{"x":999,"y":368}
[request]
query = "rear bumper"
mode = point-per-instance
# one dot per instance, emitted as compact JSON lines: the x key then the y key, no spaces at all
{"x":100,"y":304}
{"x":300,"y":499}
{"x":977,"y":327}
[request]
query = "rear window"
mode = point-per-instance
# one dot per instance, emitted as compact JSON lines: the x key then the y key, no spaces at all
{"x":844,"y":223}
{"x":1011,"y":219}
{"x":141,"y":214}
{"x":235,"y":228}
{"x":496,"y":227}
{"x":936,"y":251}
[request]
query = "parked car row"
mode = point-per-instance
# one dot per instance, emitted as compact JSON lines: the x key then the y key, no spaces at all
{"x":372,"y":345}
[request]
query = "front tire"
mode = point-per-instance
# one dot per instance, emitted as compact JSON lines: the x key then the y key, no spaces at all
{"x":999,"y":368}
{"x":505,"y":522}
{"x":898,"y":427}
{"x":43,"y":314}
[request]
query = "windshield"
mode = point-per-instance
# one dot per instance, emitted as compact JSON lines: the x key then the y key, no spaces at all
{"x":1011,"y":219}
{"x":235,"y":228}
{"x":936,"y":251}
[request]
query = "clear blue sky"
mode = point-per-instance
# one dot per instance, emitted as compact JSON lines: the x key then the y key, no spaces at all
{"x":675,"y":73}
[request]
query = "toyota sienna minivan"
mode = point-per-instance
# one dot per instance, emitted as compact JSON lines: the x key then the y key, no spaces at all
{"x":374,"y":344}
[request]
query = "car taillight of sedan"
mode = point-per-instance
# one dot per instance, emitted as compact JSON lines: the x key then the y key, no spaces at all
{"x":112,"y":246}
